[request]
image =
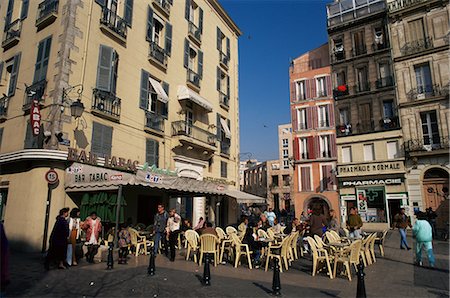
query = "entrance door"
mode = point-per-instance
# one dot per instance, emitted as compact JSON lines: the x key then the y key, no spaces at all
{"x":394,"y":208}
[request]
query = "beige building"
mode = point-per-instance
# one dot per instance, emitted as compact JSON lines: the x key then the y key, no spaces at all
{"x":419,"y":33}
{"x":158,"y":80}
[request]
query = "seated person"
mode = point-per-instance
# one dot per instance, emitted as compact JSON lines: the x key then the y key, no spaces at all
{"x":243,"y":226}
{"x":276,"y":226}
{"x":294,"y":227}
{"x":265,"y":223}
{"x":254,"y":246}
{"x":208,"y":229}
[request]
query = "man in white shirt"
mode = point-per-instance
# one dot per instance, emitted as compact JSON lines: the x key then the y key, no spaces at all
{"x":173,"y":229}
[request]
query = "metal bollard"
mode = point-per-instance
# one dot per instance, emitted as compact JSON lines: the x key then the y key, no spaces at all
{"x":276,"y":285}
{"x":151,"y":263}
{"x":206,"y":272}
{"x":110,"y":262}
{"x":361,"y":287}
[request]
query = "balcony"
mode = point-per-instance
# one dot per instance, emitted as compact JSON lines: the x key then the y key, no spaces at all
{"x":344,"y":130}
{"x":194,"y":33}
{"x":380,"y":46}
{"x":225,"y":147}
{"x":106,"y":105}
{"x":194,"y":135}
{"x":47,"y":13}
{"x":340,"y":91}
{"x":113,"y":25}
{"x":157,"y":55}
{"x":416,"y":46}
{"x":154,"y":123}
{"x":384,"y":82}
{"x":344,"y":11}
{"x":359,"y":50}
{"x":427,"y":91}
{"x":365,"y":126}
{"x":397,"y":5}
{"x":224,"y":100}
{"x":224,"y":59}
{"x":3,"y":108}
{"x":425,"y":147}
{"x":35,"y":91}
{"x":11,"y":36}
{"x":163,"y":6}
{"x":389,"y":123}
{"x":338,"y":55}
{"x":193,"y":79}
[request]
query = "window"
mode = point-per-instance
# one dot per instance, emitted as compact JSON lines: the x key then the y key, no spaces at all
{"x":343,"y":116}
{"x":3,"y":200}
{"x":341,"y":78}
{"x":327,"y":178}
{"x":363,"y":83}
{"x":108,"y":63}
{"x":430,"y":128}
{"x":302,"y":122}
{"x":285,"y":153}
{"x":338,"y":48}
{"x":11,"y":73}
{"x":300,"y":90}
{"x":346,"y":154}
{"x":305,"y":173}
{"x":193,"y":59}
{"x":416,"y":30}
{"x":359,"y":43}
{"x":275,"y":182}
{"x":321,"y":87}
{"x":324,"y":118}
{"x":223,"y":45}
{"x":194,"y":16}
{"x":369,"y":153}
{"x":32,"y":141}
{"x":285,"y":164}
{"x":392,"y":150}
{"x":303,"y":148}
{"x":223,"y":169}
{"x":153,"y":95}
{"x":128,"y":14}
{"x":189,"y":118}
{"x":159,"y":34}
{"x":40,"y":70}
{"x":152,"y":152}
{"x":325,"y":146}
{"x":423,"y":79}
{"x":286,"y":180}
{"x":379,"y":37}
{"x":388,"y":109}
{"x":285,"y":143}
{"x":384,"y":70}
{"x":157,"y":30}
{"x":101,"y":139}
{"x":223,"y":83}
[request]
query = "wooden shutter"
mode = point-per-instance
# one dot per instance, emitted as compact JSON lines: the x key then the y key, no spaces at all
{"x":306,"y":178}
{"x":187,"y":10}
{"x":1,"y":137}
{"x":152,"y":152}
{"x":218,"y":79}
{"x":1,"y":70}
{"x":296,"y":148}
{"x":228,"y":86}
{"x":14,"y":75}
{"x":307,"y":89}
{"x":107,"y":140}
{"x":219,"y":39}
{"x":200,"y":64}
{"x":170,"y":2}
{"x":24,"y":10}
{"x":30,"y":139}
{"x":309,"y":121}
{"x":416,"y":30}
{"x":9,"y":13}
{"x":165,"y":106}
{"x":331,"y":115}
{"x":40,"y":70}
{"x":314,"y":114}
{"x":333,"y":146}
{"x":114,"y":72}
{"x":229,"y":127}
{"x":128,"y":14}
{"x":168,"y":40}
{"x":329,"y":87}
{"x":228,"y":48}
{"x":293,"y":91}
{"x":312,"y":85}
{"x":200,"y":19}
{"x":143,"y":98}
{"x":219,"y":128}
{"x":104,"y":70}
{"x":186,"y":53}
{"x":294,"y":119}
{"x":149,"y":23}
{"x":96,"y":143}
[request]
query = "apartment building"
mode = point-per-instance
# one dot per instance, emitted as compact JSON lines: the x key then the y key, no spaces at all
{"x":313,"y":132}
{"x":370,"y":168}
{"x":256,"y":180}
{"x":420,"y":45}
{"x":136,"y":100}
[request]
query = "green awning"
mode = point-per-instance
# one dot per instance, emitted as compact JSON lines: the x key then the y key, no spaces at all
{"x":104,"y":204}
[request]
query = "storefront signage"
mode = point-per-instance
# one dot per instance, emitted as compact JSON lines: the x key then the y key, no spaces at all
{"x":373,"y":168}
{"x":154,"y":169}
{"x":152,"y":178}
{"x":85,"y":174}
{"x":396,"y":196}
{"x":372,"y":182}
{"x":218,"y":180}
{"x":112,"y":162}
{"x":35,"y":117}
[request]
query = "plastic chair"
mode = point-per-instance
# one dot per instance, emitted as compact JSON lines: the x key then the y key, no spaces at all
{"x":318,"y":255}
{"x":319,"y":241}
{"x":330,"y":237}
{"x":139,"y":241}
{"x":208,"y":244}
{"x":380,"y":242}
{"x":230,"y":230}
{"x":346,"y":232}
{"x":294,"y":246}
{"x":362,"y":252}
{"x":192,"y":240}
{"x":335,"y":235}
{"x":284,"y":254}
{"x":241,"y":249}
{"x":372,"y":247}
{"x":263,"y":234}
{"x":348,"y":257}
{"x":225,"y":243}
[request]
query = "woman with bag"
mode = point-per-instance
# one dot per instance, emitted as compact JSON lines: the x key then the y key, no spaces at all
{"x":93,"y":226}
{"x":74,"y":236}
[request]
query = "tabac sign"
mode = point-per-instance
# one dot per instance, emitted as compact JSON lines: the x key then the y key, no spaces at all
{"x":35,"y":117}
{"x":391,"y":167}
{"x":112,"y":162}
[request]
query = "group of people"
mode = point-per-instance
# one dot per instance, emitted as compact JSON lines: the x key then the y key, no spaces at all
{"x":66,"y":235}
{"x":166,"y":227}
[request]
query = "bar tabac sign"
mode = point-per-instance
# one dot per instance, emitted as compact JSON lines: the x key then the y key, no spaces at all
{"x":111,"y":162}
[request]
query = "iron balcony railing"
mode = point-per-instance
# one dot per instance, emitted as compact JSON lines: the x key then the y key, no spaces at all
{"x":426,"y":144}
{"x":344,"y":130}
{"x":427,"y":91}
{"x":182,"y":128}
{"x":193,"y":78}
{"x":224,"y":99}
{"x":416,"y":46}
{"x":224,"y":59}
{"x":338,"y":55}
{"x":12,"y":31}
{"x":45,"y":9}
{"x":35,"y":91}
{"x":158,"y":53}
{"x":397,"y":5}
{"x":380,"y":46}
{"x":384,"y":82}
{"x":195,"y":31}
{"x":362,"y":87}
{"x":154,"y":121}
{"x":106,"y":103}
{"x":113,"y":22}
{"x":340,"y":91}
{"x":164,"y":5}
{"x":388,"y":123}
{"x":3,"y":106}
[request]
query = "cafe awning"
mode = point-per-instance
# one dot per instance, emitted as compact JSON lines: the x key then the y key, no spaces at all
{"x":244,"y":197}
{"x":185,"y":93}
{"x":162,"y":95}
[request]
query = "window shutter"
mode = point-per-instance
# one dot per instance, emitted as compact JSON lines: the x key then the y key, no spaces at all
{"x":292,"y":89}
{"x":149,"y":23}
{"x":101,"y":2}
{"x":228,"y":86}
{"x":313,"y":88}
{"x":294,"y":119}
{"x":219,"y":39}
{"x":331,"y":115}
{"x":9,"y":13}
{"x":200,"y":20}
{"x":329,"y":88}
{"x":200,"y":64}
{"x":307,"y":89}
{"x":314,"y":116}
{"x":309,"y":118}
{"x":1,"y":137}
{"x":96,"y":143}
{"x":1,"y":71}
{"x":218,"y":79}
{"x":115,"y":69}
{"x":187,"y":9}
{"x":170,"y":2}
{"x":30,"y":139}
{"x":107,"y":140}
{"x":14,"y":75}
{"x":311,"y":149}
{"x":24,"y":11}
{"x":219,"y":129}
{"x":152,"y":152}
{"x":333,"y":145}
{"x":186,"y":53}
{"x":128,"y":14}
{"x":228,"y":48}
{"x":104,"y":68}
{"x":296,"y":148}
{"x":40,"y":71}
{"x":165,"y":106}
{"x":229,"y":125}
{"x":143,"y":100}
{"x":168,"y":45}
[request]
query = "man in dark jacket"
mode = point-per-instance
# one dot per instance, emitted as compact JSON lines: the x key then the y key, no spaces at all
{"x":58,"y":240}
{"x":402,"y":221}
{"x":159,"y":228}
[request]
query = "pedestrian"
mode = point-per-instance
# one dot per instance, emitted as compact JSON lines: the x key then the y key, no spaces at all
{"x":317,"y":222}
{"x":354,"y":223}
{"x":243,"y":226}
{"x":270,"y":215}
{"x":58,"y":241}
{"x":124,"y":241}
{"x":4,"y":261}
{"x":93,"y":226}
{"x":74,"y":237}
{"x":431,"y":217}
{"x":173,"y":229}
{"x":402,"y":221}
{"x":159,"y":228}
{"x":333,"y":223}
{"x":422,"y":230}
{"x":200,"y":224}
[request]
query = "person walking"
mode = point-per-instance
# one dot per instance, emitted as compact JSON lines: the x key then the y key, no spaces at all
{"x":173,"y":229}
{"x":159,"y":226}
{"x":58,"y":241}
{"x":124,"y":240}
{"x":92,"y":225}
{"x":74,"y":236}
{"x":402,"y":221}
{"x":422,"y":230}
{"x":354,"y":223}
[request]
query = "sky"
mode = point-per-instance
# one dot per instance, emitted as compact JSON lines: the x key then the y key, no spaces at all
{"x":274,"y":33}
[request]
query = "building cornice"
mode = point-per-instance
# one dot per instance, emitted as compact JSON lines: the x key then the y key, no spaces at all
{"x":33,"y":154}
{"x":224,"y":15}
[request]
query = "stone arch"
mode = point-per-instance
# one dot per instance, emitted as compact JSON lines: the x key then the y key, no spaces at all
{"x":320,"y":200}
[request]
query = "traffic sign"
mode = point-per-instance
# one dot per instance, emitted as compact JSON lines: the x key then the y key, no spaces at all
{"x":51,"y":176}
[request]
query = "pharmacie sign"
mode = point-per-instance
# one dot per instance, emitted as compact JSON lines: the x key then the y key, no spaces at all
{"x":112,"y":162}
{"x":372,"y":168}
{"x":372,"y":182}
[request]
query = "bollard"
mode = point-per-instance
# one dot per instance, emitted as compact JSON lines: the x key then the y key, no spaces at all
{"x":110,"y":262}
{"x":361,"y":288}
{"x":206,"y":273}
{"x":276,"y":285}
{"x":151,"y":263}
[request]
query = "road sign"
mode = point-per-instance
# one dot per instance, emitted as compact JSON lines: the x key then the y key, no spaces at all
{"x":51,"y":176}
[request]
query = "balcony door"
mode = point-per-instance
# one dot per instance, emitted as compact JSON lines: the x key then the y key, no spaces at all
{"x":430,"y":129}
{"x":423,"y":79}
{"x":189,"y":121}
{"x":112,"y":6}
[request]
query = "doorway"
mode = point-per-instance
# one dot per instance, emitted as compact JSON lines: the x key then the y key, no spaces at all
{"x":320,"y":204}
{"x":394,"y":208}
{"x":147,"y":207}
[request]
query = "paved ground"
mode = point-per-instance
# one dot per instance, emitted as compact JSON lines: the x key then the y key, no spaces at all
{"x":392,"y":276}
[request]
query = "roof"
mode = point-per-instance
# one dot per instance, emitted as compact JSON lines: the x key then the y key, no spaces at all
{"x":225,"y":16}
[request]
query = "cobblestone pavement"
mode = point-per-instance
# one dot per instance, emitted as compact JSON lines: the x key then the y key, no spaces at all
{"x":391,"y":276}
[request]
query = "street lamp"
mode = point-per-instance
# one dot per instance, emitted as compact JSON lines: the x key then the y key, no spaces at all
{"x":76,"y":109}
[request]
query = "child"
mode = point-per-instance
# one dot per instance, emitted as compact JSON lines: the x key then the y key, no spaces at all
{"x":124,"y":241}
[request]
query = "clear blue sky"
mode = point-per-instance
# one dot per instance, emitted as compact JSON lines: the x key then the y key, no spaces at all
{"x":274,"y":32}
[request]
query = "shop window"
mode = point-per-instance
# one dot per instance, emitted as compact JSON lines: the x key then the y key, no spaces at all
{"x":371,"y":204}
